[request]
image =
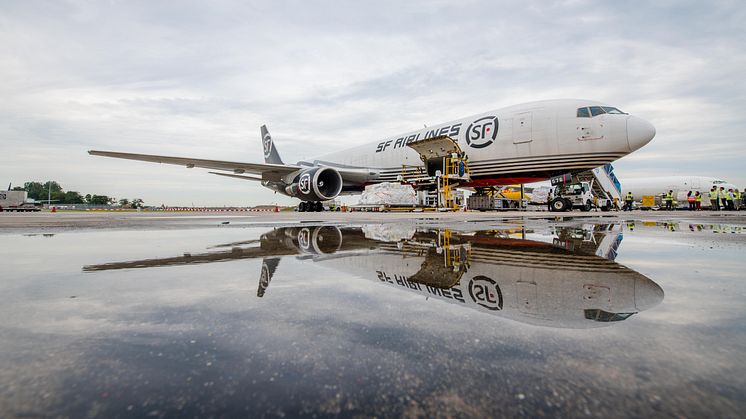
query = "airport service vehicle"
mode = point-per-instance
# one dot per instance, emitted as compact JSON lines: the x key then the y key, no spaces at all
{"x":488,"y":199}
{"x":519,"y":144}
{"x":17,"y":201}
{"x":596,"y":188}
{"x":680,"y":185}
{"x":572,"y":195}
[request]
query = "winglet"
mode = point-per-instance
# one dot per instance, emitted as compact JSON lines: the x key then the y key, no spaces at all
{"x":270,"y":152}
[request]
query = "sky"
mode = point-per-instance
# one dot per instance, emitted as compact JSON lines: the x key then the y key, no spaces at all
{"x":198,"y":79}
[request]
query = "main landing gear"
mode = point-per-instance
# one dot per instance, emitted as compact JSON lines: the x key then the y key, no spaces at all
{"x":310,"y":206}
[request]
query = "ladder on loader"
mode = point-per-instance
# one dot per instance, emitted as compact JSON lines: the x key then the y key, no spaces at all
{"x":455,"y":256}
{"x":604,"y":185}
{"x":441,"y":154}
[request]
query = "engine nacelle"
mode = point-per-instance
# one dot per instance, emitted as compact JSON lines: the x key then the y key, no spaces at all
{"x":316,"y":184}
{"x":322,"y":240}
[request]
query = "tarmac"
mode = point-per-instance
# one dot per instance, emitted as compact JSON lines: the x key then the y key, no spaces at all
{"x":73,"y":220}
{"x":468,"y":314}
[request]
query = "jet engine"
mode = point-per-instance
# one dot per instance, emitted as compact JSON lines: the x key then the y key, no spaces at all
{"x":316,"y":184}
{"x":322,"y":240}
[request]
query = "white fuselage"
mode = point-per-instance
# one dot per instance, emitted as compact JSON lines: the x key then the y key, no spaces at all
{"x":517,"y":144}
{"x":680,"y":185}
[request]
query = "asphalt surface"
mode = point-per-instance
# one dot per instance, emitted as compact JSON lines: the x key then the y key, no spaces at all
{"x":635,"y":314}
{"x":165,"y":220}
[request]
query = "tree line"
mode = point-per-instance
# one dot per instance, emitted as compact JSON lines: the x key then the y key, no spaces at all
{"x":52,"y":190}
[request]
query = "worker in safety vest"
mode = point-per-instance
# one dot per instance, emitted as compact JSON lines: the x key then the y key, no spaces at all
{"x":737,"y":199}
{"x":714,"y":205}
{"x":729,"y":199}
{"x":669,"y":200}
{"x":714,"y":199}
{"x":690,"y":198}
{"x":698,"y":201}
{"x":628,"y":200}
{"x":723,"y":198}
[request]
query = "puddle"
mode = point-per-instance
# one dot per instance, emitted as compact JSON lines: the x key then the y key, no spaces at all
{"x":566,"y":282}
{"x":536,"y":317}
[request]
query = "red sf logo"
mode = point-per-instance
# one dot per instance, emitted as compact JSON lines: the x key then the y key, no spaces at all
{"x":482,"y":132}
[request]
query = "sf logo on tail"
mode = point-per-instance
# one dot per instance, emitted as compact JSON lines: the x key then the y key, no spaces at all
{"x":267,"y":142}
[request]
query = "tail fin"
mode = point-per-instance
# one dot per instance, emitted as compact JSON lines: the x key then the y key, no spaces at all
{"x":270,"y":152}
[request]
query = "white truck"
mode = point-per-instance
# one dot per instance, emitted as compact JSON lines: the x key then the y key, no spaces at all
{"x":17,"y":201}
{"x":570,"y":192}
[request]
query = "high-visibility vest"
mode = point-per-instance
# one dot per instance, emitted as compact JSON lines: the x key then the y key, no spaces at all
{"x":669,"y":196}
{"x":737,"y":195}
{"x":713,"y":195}
{"x":729,"y":196}
{"x":698,"y":198}
{"x":629,"y":197}
{"x":691,"y":198}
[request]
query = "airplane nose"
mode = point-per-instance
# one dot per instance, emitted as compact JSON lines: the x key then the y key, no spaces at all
{"x":647,"y":294}
{"x":639,"y":132}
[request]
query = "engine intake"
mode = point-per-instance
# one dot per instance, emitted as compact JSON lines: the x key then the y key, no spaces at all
{"x":316,"y":184}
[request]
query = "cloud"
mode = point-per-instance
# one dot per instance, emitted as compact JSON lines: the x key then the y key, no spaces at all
{"x":198,"y":79}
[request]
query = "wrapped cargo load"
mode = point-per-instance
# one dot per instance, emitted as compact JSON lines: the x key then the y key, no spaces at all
{"x":388,"y":194}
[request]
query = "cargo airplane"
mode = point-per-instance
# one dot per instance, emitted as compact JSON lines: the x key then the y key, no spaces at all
{"x":518,"y":144}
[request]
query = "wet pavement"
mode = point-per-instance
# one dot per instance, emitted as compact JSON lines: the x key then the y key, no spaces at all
{"x":500,"y":317}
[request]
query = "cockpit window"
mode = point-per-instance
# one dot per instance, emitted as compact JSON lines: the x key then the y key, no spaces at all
{"x":605,"y":316}
{"x":597,"y":110}
{"x":611,"y":110}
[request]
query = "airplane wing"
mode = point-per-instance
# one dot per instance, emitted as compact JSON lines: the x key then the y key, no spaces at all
{"x":267,"y":170}
{"x":257,"y":179}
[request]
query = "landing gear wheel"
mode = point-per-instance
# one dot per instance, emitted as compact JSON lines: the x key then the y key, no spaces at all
{"x":587,"y":207}
{"x":302,"y":206}
{"x":559,"y":205}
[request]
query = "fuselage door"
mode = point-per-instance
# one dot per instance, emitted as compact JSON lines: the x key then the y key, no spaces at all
{"x":522,"y":127}
{"x":592,"y":128}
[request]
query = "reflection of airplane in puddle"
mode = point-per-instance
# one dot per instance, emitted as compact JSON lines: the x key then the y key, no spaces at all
{"x":674,"y":226}
{"x":562,"y":282}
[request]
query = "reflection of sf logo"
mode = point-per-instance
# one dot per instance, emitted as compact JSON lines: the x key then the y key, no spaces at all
{"x":485,"y":292}
{"x":482,"y":132}
{"x":263,"y":281}
{"x":304,"y":239}
{"x":267,"y":142}
{"x":304,"y":184}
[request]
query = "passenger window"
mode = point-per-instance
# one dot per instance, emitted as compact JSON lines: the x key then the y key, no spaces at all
{"x":597,"y":110}
{"x":583,"y":113}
